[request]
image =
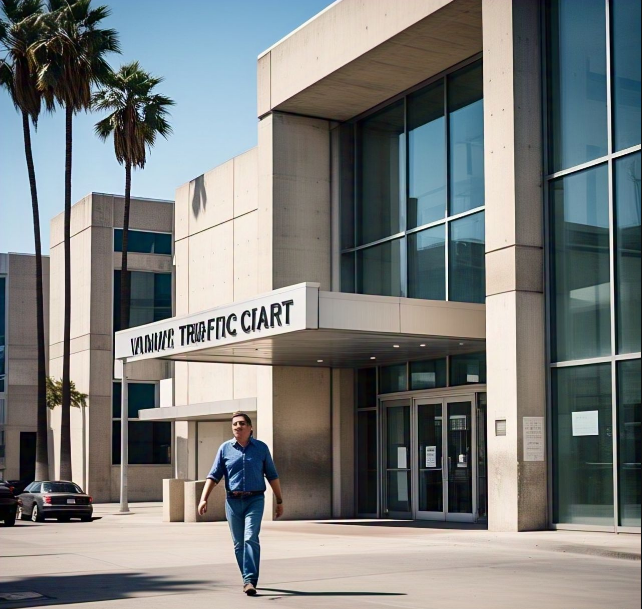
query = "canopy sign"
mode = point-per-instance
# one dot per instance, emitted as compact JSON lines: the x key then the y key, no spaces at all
{"x":287,"y":310}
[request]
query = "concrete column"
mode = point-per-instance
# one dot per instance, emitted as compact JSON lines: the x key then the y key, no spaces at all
{"x":343,"y":444}
{"x":515,"y":326}
{"x":173,"y":500}
{"x":294,"y":404}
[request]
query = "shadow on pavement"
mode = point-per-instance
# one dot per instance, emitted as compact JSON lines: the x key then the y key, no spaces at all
{"x":61,"y":589}
{"x":300,"y":593}
{"x":414,"y":524}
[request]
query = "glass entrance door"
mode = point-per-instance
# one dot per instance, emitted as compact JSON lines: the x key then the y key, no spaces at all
{"x":445,"y":466}
{"x":398,"y":467}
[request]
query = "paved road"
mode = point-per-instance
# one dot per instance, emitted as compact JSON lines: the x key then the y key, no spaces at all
{"x":137,"y":562}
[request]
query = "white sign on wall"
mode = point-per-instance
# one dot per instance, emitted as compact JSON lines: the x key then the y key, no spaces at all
{"x":586,"y":423}
{"x":534,"y":442}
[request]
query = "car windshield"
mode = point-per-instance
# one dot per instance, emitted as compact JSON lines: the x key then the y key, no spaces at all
{"x":59,"y":487}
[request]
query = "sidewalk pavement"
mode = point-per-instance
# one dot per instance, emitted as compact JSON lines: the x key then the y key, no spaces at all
{"x":137,"y":562}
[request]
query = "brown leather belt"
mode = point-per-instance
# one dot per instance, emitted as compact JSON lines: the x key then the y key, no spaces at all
{"x":242,"y":494}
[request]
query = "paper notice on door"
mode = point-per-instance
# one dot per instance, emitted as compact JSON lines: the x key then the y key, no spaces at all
{"x":402,"y":486}
{"x":534,"y":445}
{"x":402,"y":457}
{"x":586,"y":423}
{"x":431,"y":456}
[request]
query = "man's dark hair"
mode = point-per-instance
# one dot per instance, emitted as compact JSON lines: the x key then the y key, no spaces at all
{"x":244,"y":415}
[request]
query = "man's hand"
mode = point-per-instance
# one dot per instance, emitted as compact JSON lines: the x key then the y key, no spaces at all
{"x":279,"y":510}
{"x":202,"y":506}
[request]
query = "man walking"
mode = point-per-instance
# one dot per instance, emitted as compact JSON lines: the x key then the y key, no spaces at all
{"x":245,"y":462}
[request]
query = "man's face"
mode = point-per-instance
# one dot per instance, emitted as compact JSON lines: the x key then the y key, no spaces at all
{"x":241,"y":429}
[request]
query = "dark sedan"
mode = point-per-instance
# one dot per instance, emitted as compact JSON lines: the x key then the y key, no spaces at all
{"x":55,"y":499}
{"x":8,"y":506}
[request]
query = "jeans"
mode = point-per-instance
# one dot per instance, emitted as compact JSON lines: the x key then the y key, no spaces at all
{"x":244,"y":517}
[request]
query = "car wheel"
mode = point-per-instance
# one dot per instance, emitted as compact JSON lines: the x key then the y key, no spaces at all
{"x":22,"y":515}
{"x":9,"y":522}
{"x":35,"y":515}
{"x":86,"y":518}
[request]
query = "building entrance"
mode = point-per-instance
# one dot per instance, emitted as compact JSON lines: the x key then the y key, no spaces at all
{"x":434,"y":458}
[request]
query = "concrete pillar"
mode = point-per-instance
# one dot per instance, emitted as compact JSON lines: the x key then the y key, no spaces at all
{"x":294,"y":404}
{"x":515,"y":326}
{"x":173,"y":500}
{"x":343,"y":444}
{"x":215,"y":504}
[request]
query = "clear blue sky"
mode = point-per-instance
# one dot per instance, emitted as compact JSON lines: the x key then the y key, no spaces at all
{"x":207,"y":52}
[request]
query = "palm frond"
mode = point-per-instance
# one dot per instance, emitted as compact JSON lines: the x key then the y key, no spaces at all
{"x":137,"y":115}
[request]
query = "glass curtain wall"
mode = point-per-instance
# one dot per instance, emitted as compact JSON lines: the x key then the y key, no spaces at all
{"x":593,"y":190}
{"x":367,"y":470}
{"x":413,"y":217}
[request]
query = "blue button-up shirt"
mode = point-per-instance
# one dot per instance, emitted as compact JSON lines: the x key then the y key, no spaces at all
{"x":245,"y":469}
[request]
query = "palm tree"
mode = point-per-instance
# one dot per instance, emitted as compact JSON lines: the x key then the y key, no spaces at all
{"x":137,"y":116}
{"x":71,"y":60}
{"x":17,"y":34}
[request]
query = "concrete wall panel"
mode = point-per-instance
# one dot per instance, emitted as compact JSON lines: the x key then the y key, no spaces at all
{"x":246,"y":182}
{"x":302,"y":440}
{"x":211,"y":198}
{"x":181,"y":212}
{"x":145,"y":482}
{"x":245,"y":381}
{"x":246,"y":258}
{"x":210,"y":382}
{"x":211,"y":268}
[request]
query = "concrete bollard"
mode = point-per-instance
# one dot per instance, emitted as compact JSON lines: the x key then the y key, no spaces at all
{"x":215,"y":505}
{"x":173,"y":500}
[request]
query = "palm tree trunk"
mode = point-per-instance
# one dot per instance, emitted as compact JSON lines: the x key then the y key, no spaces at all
{"x":125,"y":285}
{"x":65,"y":423}
{"x":42,"y":453}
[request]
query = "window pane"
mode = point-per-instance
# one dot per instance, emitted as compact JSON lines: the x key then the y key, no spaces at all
{"x":141,"y":396}
{"x":367,"y":388}
{"x":467,"y":272}
{"x":346,"y":186}
{"x":392,"y":379}
{"x":379,"y":269}
{"x":427,"y":264}
{"x":381,"y":171}
{"x":577,"y":82}
{"x":151,"y":298}
{"x":466,"y":138}
{"x":144,"y":242}
{"x":427,"y":152}
{"x":580,"y":320}
{"x":468,"y":369}
{"x":347,"y":273}
{"x":625,"y":15}
{"x":162,"y":296}
{"x":630,"y":453}
{"x":150,"y":443}
{"x":583,"y":445}
{"x":627,"y":214}
{"x":428,"y":375}
{"x":367,"y":462}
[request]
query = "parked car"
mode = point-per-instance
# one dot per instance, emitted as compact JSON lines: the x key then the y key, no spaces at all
{"x":8,"y":506}
{"x":19,"y":486}
{"x":55,"y":499}
{"x":7,"y":484}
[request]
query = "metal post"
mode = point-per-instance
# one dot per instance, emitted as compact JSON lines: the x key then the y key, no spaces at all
{"x":84,"y":449}
{"x":124,"y":424}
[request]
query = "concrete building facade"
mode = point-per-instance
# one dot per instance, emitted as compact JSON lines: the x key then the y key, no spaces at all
{"x":19,"y":363}
{"x":96,"y":243}
{"x":445,"y":198}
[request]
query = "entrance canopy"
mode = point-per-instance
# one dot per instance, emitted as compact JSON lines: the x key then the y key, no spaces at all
{"x":303,"y":326}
